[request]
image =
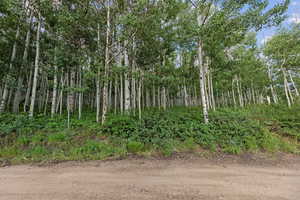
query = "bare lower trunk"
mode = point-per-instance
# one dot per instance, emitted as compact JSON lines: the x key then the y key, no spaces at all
{"x":293,"y":83}
{"x":212,"y":96}
{"x":185,"y":95}
{"x":239,"y":92}
{"x":286,"y":89}
{"x":126,"y":82}
{"x":233,"y":94}
{"x":133,"y":81}
{"x":121,"y":94}
{"x":54,"y":93}
{"x":80,"y":100}
{"x":202,"y":82}
{"x":106,"y":67}
{"x":71,"y":94}
{"x":36,"y":68}
{"x":116,"y":94}
{"x":274,"y":96}
{"x":140,"y":96}
{"x":164,"y":98}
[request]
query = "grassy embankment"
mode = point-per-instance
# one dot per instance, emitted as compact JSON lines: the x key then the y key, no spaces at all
{"x":234,"y":131}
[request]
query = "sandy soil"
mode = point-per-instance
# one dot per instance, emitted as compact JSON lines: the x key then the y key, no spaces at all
{"x":153,"y":179}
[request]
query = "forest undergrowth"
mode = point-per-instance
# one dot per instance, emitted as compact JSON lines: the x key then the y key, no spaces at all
{"x":252,"y":129}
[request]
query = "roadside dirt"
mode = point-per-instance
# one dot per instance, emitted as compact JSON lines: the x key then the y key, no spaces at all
{"x":181,"y":178}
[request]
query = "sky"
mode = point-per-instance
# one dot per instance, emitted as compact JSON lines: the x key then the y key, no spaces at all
{"x":293,"y":14}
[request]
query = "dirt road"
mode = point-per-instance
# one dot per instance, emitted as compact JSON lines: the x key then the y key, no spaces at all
{"x":139,"y":179}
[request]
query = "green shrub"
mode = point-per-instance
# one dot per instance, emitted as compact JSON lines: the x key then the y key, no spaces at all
{"x":57,"y":137}
{"x":23,"y":140}
{"x":36,"y":152}
{"x":38,"y":139}
{"x":135,"y":147}
{"x":189,"y":144}
{"x":167,"y":148}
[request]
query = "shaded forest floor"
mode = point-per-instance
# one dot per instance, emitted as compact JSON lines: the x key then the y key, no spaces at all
{"x":254,"y":129}
{"x":184,"y":177}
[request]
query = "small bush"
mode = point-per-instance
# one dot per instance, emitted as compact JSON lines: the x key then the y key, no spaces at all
{"x":135,"y":147}
{"x":57,"y":137}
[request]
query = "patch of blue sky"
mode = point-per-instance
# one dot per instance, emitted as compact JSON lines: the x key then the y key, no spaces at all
{"x":293,"y":16}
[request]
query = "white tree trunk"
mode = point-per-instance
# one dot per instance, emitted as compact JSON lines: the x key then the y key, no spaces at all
{"x":106,"y":66}
{"x":126,"y":81}
{"x":54,"y":93}
{"x":274,"y":96}
{"x":186,"y":103}
{"x":36,"y":67}
{"x":293,"y":83}
{"x":140,"y":96}
{"x":80,"y":101}
{"x":121,"y":94}
{"x":286,"y":89}
{"x":164,"y":98}
{"x":202,"y":82}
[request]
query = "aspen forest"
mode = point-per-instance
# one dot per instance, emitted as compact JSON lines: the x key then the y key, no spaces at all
{"x":151,"y":73}
{"x":168,"y":95}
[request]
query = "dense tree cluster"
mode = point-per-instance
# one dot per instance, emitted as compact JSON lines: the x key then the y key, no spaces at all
{"x":124,"y":56}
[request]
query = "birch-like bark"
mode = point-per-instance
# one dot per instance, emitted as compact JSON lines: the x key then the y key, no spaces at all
{"x":36,"y":67}
{"x":293,"y":83}
{"x":110,"y":94}
{"x":71,"y":91}
{"x":290,"y":93}
{"x":186,"y":104}
{"x":106,"y":66}
{"x":121,"y":94}
{"x":212,"y":96}
{"x":202,"y":80}
{"x":164,"y":98}
{"x":68,"y":101}
{"x":116,"y":94}
{"x":140,"y":96}
{"x":126,"y":81}
{"x":207,"y":81}
{"x":98,"y":89}
{"x":274,"y":96}
{"x":206,"y":90}
{"x":233,"y":93}
{"x":54,"y":93}
{"x":133,"y":81}
{"x":153,"y":95}
{"x":239,"y":92}
{"x":80,"y":101}
{"x":286,"y":89}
